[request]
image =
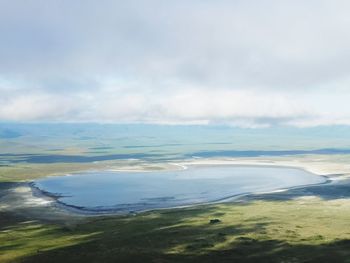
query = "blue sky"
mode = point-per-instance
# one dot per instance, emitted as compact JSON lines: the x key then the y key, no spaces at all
{"x":243,"y":63}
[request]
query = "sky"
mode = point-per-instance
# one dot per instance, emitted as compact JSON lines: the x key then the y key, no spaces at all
{"x":244,"y":63}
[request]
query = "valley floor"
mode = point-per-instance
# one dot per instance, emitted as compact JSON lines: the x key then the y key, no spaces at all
{"x":308,"y":224}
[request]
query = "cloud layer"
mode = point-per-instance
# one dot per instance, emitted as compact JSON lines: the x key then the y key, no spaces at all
{"x":245,"y":63}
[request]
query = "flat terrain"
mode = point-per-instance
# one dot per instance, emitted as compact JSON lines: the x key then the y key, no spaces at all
{"x":308,"y":229}
{"x":308,"y":224}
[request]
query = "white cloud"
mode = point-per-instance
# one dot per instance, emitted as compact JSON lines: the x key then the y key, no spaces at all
{"x":246,"y":63}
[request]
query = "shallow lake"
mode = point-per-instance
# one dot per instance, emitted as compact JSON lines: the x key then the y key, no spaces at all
{"x":139,"y":191}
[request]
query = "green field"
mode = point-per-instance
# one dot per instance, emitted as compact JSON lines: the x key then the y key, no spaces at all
{"x":305,"y":230}
{"x":301,"y":225}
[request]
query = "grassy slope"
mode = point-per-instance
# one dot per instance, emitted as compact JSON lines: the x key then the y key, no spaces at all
{"x":311,"y":230}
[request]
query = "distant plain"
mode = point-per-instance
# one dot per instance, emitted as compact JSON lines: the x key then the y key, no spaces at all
{"x":304,"y":224}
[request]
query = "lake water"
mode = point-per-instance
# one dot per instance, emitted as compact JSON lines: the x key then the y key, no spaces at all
{"x":139,"y":191}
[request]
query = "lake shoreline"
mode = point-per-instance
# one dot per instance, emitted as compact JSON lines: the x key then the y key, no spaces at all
{"x":84,"y":211}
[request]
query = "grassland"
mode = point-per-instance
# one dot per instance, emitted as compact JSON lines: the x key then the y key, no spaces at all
{"x":28,"y":171}
{"x":300,"y":230}
{"x":301,"y":225}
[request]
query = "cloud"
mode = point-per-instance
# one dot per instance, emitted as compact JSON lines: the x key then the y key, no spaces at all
{"x":245,"y":63}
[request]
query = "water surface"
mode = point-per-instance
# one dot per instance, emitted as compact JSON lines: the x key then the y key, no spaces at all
{"x":138,"y":191}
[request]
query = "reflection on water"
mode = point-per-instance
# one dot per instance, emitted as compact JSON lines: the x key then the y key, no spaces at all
{"x":137,"y":191}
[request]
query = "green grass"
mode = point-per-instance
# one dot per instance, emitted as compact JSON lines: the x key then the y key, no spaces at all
{"x":30,"y":171}
{"x":26,"y":171}
{"x":27,"y":238}
{"x":311,"y":230}
{"x":300,"y":230}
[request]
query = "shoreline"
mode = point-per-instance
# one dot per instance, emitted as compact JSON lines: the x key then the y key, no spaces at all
{"x":84,"y":211}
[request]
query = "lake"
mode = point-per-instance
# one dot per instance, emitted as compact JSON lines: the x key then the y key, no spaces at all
{"x":140,"y":191}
